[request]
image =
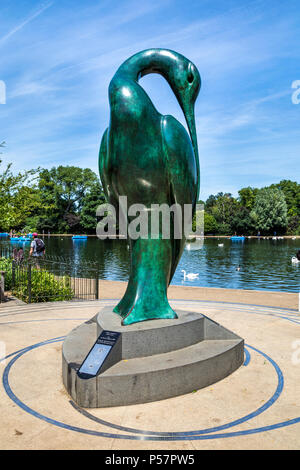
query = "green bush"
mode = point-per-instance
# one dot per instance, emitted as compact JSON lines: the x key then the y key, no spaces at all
{"x":45,"y":286}
{"x":6,"y":265}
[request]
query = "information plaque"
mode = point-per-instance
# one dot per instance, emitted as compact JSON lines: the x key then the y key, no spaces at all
{"x":95,"y":359}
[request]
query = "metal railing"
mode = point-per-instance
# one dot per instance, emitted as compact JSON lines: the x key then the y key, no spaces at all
{"x":49,"y":279}
{"x":2,"y":286}
{"x":6,"y":251}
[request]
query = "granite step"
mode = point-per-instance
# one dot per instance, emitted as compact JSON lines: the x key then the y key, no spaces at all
{"x":167,"y":375}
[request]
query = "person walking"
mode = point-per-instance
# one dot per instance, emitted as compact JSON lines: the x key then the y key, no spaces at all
{"x":37,"y":247}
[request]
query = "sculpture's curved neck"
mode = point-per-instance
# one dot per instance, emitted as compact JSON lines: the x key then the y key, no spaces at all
{"x":151,"y":61}
{"x":170,"y":65}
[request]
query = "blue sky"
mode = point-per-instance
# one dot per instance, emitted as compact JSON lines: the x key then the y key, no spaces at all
{"x":58,"y":56}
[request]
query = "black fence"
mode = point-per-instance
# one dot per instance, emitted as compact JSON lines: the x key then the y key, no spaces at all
{"x":49,"y":279}
{"x":6,"y":251}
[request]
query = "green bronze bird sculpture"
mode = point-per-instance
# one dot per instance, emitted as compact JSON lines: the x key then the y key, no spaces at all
{"x":151,"y":159}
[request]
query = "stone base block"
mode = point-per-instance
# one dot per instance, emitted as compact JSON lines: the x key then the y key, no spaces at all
{"x":154,"y":360}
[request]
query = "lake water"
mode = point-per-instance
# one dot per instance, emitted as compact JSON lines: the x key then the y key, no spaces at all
{"x":264,"y":264}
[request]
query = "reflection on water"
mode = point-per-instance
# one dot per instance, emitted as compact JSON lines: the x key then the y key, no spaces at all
{"x":264,"y":264}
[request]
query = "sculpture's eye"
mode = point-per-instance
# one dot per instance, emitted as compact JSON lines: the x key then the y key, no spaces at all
{"x":190,"y":77}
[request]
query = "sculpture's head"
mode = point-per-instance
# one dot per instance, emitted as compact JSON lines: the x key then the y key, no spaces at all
{"x":184,"y":79}
{"x":182,"y":76}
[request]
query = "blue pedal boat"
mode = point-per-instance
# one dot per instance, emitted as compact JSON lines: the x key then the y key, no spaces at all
{"x":237,"y":239}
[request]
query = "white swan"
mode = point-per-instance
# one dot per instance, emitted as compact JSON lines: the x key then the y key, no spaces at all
{"x":189,"y":275}
{"x":220,"y":244}
{"x":197,"y":245}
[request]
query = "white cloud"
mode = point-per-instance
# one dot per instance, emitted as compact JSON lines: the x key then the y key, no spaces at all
{"x":31,"y":88}
{"x":42,"y":7}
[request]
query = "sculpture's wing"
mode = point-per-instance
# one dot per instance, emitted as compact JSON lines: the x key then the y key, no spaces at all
{"x":182,"y":174}
{"x":105,"y":172}
{"x":103,"y":156}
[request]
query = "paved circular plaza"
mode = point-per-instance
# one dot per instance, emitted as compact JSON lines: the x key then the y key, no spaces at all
{"x":257,"y":407}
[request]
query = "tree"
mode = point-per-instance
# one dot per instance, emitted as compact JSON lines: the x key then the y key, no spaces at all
{"x":219,"y":211}
{"x":210,"y":202}
{"x":270,"y":211}
{"x":63,"y":191}
{"x":91,"y":201}
{"x":18,"y":197}
{"x":222,"y":207}
{"x":247,"y":197}
{"x":241,"y":222}
{"x":210,"y":224}
{"x":291,"y":191}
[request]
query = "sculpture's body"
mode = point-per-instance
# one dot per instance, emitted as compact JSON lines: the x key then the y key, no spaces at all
{"x":151,"y":159}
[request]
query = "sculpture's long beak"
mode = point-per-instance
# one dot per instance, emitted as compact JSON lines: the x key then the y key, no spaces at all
{"x":190,"y":120}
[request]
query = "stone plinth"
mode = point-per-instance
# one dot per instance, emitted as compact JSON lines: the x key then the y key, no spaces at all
{"x":154,"y":360}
